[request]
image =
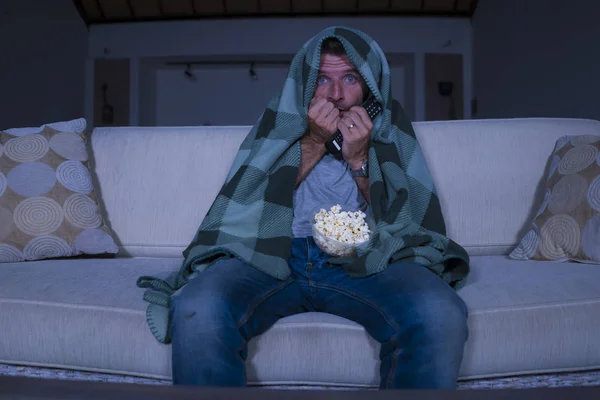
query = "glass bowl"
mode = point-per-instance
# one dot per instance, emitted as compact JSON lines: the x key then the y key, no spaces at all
{"x":344,"y":245}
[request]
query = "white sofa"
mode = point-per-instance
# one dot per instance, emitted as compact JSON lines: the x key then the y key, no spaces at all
{"x":156,"y":184}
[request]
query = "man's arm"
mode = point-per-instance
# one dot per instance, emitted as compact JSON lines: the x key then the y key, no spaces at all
{"x":361,"y":181}
{"x":363,"y":185}
{"x":322,"y":121}
{"x":356,"y":127}
{"x":312,"y":151}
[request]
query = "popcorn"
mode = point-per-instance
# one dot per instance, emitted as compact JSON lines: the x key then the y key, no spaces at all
{"x":347,"y":227}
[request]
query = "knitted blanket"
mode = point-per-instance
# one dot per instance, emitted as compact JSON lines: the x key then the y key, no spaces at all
{"x":251,"y":217}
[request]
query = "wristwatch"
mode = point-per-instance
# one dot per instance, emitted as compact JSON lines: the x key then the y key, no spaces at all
{"x":362,"y":171}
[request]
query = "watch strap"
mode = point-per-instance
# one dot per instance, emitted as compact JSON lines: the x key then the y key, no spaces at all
{"x":362,"y":171}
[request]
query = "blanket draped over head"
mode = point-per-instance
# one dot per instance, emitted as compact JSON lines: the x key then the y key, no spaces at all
{"x":251,"y":217}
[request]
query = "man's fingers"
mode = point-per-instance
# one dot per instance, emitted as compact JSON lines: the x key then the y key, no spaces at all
{"x":358,"y":126}
{"x":315,"y":99}
{"x":333,"y":125}
{"x":333,"y":114}
{"x":353,"y":130}
{"x":320,"y":109}
{"x":326,"y":109}
{"x":315,"y":110}
{"x":342,"y":126}
{"x":362,"y":114}
{"x":320,"y":103}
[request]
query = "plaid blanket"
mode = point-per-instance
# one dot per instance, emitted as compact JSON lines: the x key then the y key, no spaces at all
{"x":251,"y":217}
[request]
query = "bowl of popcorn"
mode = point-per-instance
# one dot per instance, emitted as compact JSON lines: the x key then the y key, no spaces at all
{"x":339,"y":231}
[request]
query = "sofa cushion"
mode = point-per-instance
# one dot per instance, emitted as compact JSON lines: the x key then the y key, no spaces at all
{"x":525,"y":317}
{"x":566,"y":226}
{"x":48,"y":206}
{"x":531,"y":316}
{"x":80,"y":313}
{"x":489,"y":174}
{"x":163,"y":177}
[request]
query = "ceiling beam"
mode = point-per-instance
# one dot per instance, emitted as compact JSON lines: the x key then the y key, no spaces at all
{"x":473,"y":7}
{"x":134,"y":16}
{"x":131,"y":11}
{"x":416,"y":14}
{"x":99,"y":4}
{"x":82,"y":13}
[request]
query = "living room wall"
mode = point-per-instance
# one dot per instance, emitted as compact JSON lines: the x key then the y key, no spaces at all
{"x":226,"y":93}
{"x":159,"y":94}
{"x":44,"y":47}
{"x":537,"y":58}
{"x":49,"y":57}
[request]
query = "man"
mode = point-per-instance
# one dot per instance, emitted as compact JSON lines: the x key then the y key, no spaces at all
{"x":253,"y":260}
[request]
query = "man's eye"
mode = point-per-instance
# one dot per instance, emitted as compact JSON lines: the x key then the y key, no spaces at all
{"x":321,"y":79}
{"x":351,"y":78}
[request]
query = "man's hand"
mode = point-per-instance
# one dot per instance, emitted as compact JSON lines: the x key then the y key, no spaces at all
{"x":356,"y":127}
{"x":323,"y":119}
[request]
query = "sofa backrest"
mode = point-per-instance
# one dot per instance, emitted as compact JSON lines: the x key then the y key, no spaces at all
{"x":157,"y":183}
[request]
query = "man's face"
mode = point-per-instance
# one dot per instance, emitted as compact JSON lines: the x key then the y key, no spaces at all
{"x":340,"y":83}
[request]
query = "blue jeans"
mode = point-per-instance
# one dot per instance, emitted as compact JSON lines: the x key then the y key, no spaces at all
{"x":419,"y":320}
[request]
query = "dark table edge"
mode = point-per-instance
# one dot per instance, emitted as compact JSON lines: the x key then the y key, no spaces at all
{"x":41,"y":388}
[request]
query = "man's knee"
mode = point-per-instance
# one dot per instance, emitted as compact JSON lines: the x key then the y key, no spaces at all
{"x":442,"y":314}
{"x":201,"y":306}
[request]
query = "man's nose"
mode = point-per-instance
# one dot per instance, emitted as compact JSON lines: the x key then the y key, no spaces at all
{"x":336,"y":92}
